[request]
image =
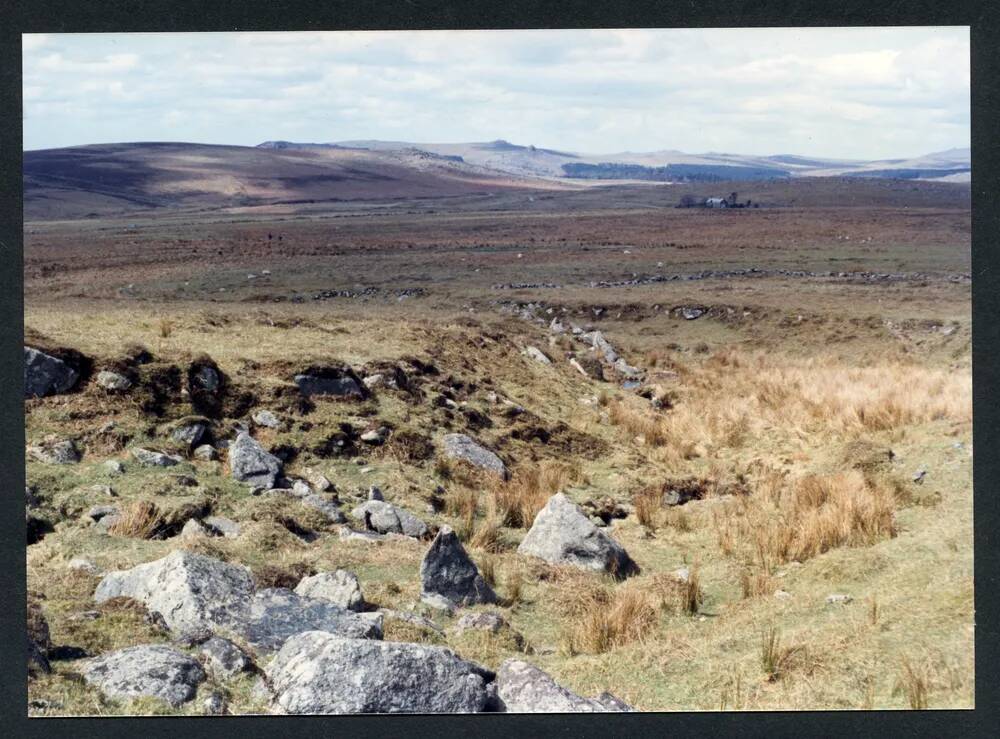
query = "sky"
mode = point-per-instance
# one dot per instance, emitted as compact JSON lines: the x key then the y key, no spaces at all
{"x":864,"y":93}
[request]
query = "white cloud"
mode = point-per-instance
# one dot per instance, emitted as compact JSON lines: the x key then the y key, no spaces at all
{"x":859,"y":92}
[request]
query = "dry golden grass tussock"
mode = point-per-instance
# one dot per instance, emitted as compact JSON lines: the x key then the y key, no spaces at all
{"x":735,"y":395}
{"x":138,"y":519}
{"x":520,"y":499}
{"x":796,"y":520}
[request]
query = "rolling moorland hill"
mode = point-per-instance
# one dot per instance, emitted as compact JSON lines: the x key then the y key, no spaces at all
{"x":105,"y":179}
{"x":665,"y":165}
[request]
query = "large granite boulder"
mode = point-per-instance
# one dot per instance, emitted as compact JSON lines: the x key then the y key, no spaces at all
{"x":189,"y":590}
{"x":523,"y":688}
{"x":249,"y":463}
{"x":340,"y":588}
{"x":195,"y":593}
{"x":385,"y":518}
{"x":563,"y":534}
{"x":319,"y":673}
{"x":447,"y":571}
{"x":46,"y":375}
{"x":153,"y":670}
{"x":464,"y":448}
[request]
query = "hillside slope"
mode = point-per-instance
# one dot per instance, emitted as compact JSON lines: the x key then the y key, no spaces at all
{"x":117,"y":178}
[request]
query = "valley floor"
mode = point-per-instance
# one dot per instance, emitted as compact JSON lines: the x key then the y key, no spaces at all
{"x":799,"y":373}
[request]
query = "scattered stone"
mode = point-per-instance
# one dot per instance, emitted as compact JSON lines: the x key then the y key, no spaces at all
{"x":206,"y":453}
{"x":154,"y":670}
{"x":919,"y":475}
{"x":38,"y":663}
{"x":366,"y":536}
{"x":839,"y":599}
{"x":326,"y":505}
{"x":152,"y":458}
{"x":319,"y":673}
{"x":537,"y":354}
{"x":562,"y":534}
{"x":193,"y":530}
{"x":31,"y":500}
{"x":782,"y":594}
{"x":223,"y":658}
{"x":340,"y":383}
{"x":375,"y":436}
{"x":221,"y":526}
{"x":588,"y":366}
{"x":340,"y":588}
{"x":464,"y":448}
{"x":374,"y":493}
{"x":266,"y":419}
{"x":82,"y":564}
{"x":484,"y":621}
{"x":46,"y":375}
{"x":114,"y":467}
{"x":251,"y":464}
{"x":214,"y":705}
{"x":523,"y":688}
{"x":384,"y":518}
{"x":56,"y":451}
{"x":320,"y":483}
{"x":447,"y":571}
{"x":373,"y":381}
{"x":689,"y":313}
{"x":113,"y":382}
{"x":98,"y":512}
{"x":438,"y":603}
{"x":189,"y":434}
{"x":206,"y":378}
{"x":301,"y":488}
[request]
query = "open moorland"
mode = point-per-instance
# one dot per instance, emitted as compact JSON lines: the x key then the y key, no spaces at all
{"x":759,"y":419}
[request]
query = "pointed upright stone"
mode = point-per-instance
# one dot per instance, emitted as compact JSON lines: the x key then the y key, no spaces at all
{"x":447,"y":571}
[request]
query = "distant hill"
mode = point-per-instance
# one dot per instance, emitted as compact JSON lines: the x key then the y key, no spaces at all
{"x":666,"y":165}
{"x":105,"y":179}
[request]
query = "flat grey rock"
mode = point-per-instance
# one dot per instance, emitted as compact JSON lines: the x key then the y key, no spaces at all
{"x":466,"y":449}
{"x":483,"y":621}
{"x":267,"y":419}
{"x":56,"y":451}
{"x":189,"y":434}
{"x":153,"y":458}
{"x":275,"y":614}
{"x":113,"y":381}
{"x":249,"y":463}
{"x":206,"y":453}
{"x":523,"y":688}
{"x":386,"y":518}
{"x":562,"y":534}
{"x":325,"y":505}
{"x":46,"y":375}
{"x":221,"y":526}
{"x":338,"y":383}
{"x":340,"y":588}
{"x":319,"y":673}
{"x":537,"y":354}
{"x":446,"y":571}
{"x":153,"y":670}
{"x":224,"y":658}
